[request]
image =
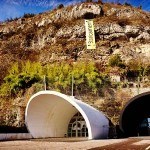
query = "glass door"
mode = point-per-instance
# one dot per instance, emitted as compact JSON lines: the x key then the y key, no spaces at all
{"x":77,"y":126}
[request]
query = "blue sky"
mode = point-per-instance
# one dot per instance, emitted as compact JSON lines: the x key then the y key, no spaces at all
{"x":16,"y":8}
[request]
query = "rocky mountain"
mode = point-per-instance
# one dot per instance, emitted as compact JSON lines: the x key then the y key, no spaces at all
{"x":119,"y":29}
{"x":59,"y":35}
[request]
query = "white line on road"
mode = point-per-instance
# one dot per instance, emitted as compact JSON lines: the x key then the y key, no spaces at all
{"x":147,"y":148}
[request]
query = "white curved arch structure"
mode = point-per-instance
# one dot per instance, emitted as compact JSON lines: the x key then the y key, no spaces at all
{"x":48,"y":114}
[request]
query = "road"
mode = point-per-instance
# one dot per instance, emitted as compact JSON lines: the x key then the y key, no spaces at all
{"x":75,"y":144}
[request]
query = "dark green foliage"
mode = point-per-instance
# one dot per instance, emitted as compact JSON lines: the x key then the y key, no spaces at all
{"x":60,"y":6}
{"x":115,"y":61}
{"x":127,"y":4}
{"x":146,"y":70}
{"x":28,"y":15}
{"x":140,"y":7}
{"x":11,"y":19}
{"x":136,"y":68}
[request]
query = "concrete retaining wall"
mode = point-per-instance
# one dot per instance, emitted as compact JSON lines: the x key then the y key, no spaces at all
{"x":15,"y":136}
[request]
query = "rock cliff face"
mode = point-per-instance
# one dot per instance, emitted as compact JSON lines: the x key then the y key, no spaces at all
{"x":63,"y":30}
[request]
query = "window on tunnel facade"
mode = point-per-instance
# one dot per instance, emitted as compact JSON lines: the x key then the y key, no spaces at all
{"x":77,"y":126}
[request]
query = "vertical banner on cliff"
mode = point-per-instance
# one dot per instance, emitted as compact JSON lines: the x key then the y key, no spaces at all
{"x":90,"y":35}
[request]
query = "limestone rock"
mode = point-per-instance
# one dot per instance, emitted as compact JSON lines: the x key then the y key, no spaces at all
{"x":145,"y":49}
{"x":78,"y":11}
{"x":144,"y":35}
{"x":126,"y":12}
{"x":108,"y":28}
{"x":43,"y":22}
{"x":132,"y":29}
{"x":71,"y":32}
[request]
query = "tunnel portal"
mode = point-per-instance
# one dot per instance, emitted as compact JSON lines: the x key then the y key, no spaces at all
{"x":53,"y":114}
{"x":135,"y":117}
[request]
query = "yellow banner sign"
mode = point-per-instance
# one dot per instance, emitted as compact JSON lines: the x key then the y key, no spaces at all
{"x":90,"y":35}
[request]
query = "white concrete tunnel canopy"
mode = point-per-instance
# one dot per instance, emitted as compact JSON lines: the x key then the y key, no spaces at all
{"x":48,"y":114}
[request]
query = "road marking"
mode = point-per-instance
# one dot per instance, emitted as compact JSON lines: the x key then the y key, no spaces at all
{"x":147,"y":148}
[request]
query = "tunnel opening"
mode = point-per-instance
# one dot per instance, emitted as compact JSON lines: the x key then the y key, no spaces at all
{"x":48,"y":115}
{"x":135,"y":117}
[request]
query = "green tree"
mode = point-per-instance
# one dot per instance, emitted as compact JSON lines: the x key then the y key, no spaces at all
{"x":21,"y":77}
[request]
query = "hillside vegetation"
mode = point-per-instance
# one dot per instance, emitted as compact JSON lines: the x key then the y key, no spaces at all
{"x":51,"y":47}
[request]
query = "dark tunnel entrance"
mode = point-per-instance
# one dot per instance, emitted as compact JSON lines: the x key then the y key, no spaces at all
{"x":135,"y":117}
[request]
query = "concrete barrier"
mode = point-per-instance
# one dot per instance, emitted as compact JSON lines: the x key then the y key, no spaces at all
{"x":15,"y":136}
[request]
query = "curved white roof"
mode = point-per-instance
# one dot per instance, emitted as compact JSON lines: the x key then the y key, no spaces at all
{"x":48,"y":114}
